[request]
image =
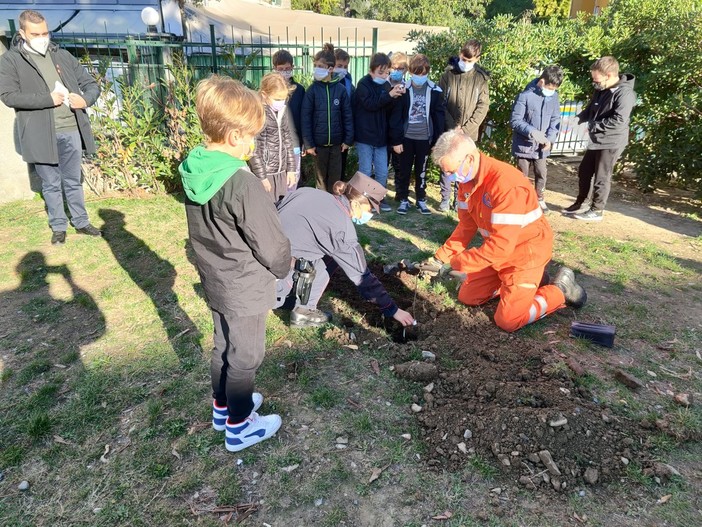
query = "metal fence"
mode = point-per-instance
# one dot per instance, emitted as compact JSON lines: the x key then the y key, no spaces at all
{"x":144,"y":59}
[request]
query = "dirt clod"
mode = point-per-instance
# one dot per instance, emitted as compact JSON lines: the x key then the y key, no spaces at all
{"x":417,"y":371}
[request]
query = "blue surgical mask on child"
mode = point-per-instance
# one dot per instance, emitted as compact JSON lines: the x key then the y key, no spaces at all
{"x":320,"y":74}
{"x":546,"y":92}
{"x":365,"y":218}
{"x":396,"y":76}
{"x":379,"y":80}
{"x":419,"y":80}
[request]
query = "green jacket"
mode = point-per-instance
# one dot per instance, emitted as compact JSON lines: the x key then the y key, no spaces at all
{"x":467,"y":98}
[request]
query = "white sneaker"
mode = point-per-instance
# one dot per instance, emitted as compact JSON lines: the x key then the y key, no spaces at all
{"x":254,"y":429}
{"x":220,"y":414}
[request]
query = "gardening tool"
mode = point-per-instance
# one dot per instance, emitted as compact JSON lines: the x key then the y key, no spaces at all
{"x":415,"y":268}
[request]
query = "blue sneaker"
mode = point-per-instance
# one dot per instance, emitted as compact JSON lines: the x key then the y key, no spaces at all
{"x":220,"y":414}
{"x":254,"y":429}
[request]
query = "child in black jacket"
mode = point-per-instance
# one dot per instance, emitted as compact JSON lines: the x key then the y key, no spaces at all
{"x":240,"y":250}
{"x":423,"y":121}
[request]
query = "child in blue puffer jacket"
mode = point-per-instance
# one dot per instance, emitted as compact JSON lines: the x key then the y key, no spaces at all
{"x":536,"y":121}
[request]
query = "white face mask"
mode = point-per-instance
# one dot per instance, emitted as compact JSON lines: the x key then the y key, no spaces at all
{"x":465,"y":66}
{"x":278,"y":105}
{"x":39,"y":45}
{"x":340,"y":72}
{"x":287,"y":75}
{"x":320,"y":73}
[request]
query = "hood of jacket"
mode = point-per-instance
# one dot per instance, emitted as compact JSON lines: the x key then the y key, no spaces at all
{"x":204,"y":172}
{"x":17,"y":44}
{"x":626,"y":81}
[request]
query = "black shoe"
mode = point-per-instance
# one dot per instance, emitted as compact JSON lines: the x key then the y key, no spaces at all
{"x":575,"y":208}
{"x":89,"y":230}
{"x":58,"y":238}
{"x":301,"y":317}
{"x":575,"y":295}
{"x":545,"y":279}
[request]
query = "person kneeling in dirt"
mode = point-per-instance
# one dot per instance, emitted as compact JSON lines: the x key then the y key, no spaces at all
{"x":320,"y":227}
{"x":496,"y":200}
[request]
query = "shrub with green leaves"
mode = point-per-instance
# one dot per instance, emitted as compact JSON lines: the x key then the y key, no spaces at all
{"x":657,"y":42}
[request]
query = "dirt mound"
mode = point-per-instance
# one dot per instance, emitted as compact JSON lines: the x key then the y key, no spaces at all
{"x":502,"y":399}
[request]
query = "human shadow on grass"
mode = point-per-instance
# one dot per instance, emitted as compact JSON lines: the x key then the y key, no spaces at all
{"x":42,"y":337}
{"x":156,"y":277}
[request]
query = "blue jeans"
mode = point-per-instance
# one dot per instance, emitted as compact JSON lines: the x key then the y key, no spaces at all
{"x":373,"y":158}
{"x":64,"y":178}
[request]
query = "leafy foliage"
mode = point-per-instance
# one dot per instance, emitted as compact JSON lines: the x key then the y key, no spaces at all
{"x":656,"y":42}
{"x":514,"y":53}
{"x":551,"y":8}
{"x":142,"y":138}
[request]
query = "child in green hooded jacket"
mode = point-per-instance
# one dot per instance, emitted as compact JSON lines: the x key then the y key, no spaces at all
{"x":240,"y":250}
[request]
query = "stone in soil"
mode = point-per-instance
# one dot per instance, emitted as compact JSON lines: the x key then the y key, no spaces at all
{"x":683,"y":399}
{"x":24,"y":485}
{"x":591,"y":475}
{"x":628,"y":380}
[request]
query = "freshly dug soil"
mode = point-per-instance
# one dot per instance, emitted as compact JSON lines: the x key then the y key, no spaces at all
{"x":500,"y":397}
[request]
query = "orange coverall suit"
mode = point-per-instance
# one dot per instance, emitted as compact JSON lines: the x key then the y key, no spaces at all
{"x":501,"y":204}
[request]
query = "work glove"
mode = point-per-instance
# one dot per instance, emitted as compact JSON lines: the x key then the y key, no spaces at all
{"x":432,"y":267}
{"x":539,"y":137}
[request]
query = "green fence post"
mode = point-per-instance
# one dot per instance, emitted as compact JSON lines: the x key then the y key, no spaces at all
{"x":13,"y":29}
{"x":375,"y":40}
{"x":213,"y":41}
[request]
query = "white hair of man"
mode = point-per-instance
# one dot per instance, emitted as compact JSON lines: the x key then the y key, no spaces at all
{"x":449,"y":142}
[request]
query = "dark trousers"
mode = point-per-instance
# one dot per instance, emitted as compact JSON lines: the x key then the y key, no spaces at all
{"x":539,"y":166}
{"x":324,"y":268}
{"x":344,"y":161}
{"x":239,"y":347}
{"x":328,"y":166}
{"x":64,"y":178}
{"x":394,"y":162}
{"x":414,"y":153}
{"x":597,"y":164}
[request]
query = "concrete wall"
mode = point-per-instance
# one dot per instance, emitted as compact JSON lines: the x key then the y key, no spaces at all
{"x":14,"y":174}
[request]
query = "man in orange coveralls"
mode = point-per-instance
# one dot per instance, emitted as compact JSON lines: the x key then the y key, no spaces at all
{"x":495,"y":199}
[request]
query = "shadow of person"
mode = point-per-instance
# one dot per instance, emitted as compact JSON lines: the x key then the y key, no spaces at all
{"x":42,"y":323}
{"x":156,"y":277}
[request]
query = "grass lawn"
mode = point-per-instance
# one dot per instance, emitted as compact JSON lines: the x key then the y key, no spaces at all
{"x":105,"y":396}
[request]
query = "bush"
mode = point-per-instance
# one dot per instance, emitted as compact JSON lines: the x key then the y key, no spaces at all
{"x":657,"y":42}
{"x":515,"y":51}
{"x":143,"y":135}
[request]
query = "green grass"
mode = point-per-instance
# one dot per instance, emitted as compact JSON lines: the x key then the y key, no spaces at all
{"x":121,"y":358}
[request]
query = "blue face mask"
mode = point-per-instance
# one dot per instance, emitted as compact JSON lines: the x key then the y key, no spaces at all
{"x":379,"y":80}
{"x":396,"y":76}
{"x":365,"y":218}
{"x":459,"y":177}
{"x":419,"y":80}
{"x":546,"y":92}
